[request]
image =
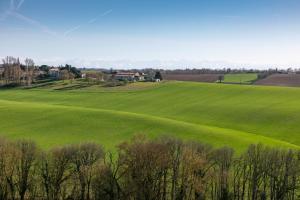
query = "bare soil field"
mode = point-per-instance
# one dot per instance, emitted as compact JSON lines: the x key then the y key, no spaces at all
{"x":209,"y":78}
{"x":291,"y":80}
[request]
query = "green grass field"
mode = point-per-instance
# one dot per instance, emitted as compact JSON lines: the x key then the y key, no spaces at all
{"x":240,"y":78}
{"x":218,"y":114}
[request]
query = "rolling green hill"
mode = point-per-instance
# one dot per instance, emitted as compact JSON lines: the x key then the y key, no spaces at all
{"x":232,"y":115}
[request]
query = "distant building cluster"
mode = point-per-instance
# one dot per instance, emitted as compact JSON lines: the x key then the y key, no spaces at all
{"x":129,"y":76}
{"x":124,"y":76}
{"x":13,"y":72}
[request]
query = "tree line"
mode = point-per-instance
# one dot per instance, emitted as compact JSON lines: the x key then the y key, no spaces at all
{"x":143,"y":169}
{"x":16,"y":73}
{"x":13,"y":72}
{"x":230,"y":71}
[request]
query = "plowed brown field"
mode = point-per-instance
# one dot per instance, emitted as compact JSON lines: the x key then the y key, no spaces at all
{"x":210,"y":78}
{"x":291,"y":80}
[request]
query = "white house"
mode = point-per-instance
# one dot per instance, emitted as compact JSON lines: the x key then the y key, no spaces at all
{"x":129,"y":76}
{"x":54,"y":72}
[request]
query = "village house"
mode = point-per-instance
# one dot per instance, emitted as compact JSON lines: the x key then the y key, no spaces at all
{"x":129,"y":76}
{"x":54,"y":72}
{"x":40,"y":73}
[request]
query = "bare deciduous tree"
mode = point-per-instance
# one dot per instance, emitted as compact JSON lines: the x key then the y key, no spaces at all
{"x":26,"y":155}
{"x":12,"y":70}
{"x":29,"y":64}
{"x":55,"y":171}
{"x":84,"y":160}
{"x":145,"y":169}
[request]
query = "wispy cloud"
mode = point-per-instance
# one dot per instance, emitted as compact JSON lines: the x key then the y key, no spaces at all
{"x":8,"y":11}
{"x":13,"y":11}
{"x":91,"y":21}
{"x":12,"y":4}
{"x":106,"y":13}
{"x":20,"y":4}
{"x":72,"y":30}
{"x":33,"y":22}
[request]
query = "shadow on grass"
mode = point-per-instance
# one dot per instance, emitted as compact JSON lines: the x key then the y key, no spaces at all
{"x":73,"y":87}
{"x":50,"y":84}
{"x":42,"y":83}
{"x":9,"y":86}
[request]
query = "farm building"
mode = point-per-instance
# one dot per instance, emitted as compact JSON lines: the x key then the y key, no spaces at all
{"x":54,"y":72}
{"x":129,"y":76}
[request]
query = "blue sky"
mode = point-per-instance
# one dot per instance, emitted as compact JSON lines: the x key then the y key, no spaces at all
{"x":158,"y":33}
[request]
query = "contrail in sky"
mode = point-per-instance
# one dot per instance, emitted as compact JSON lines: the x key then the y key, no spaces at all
{"x":14,"y":12}
{"x":72,"y":30}
{"x":32,"y":22}
{"x":15,"y":6}
{"x":20,"y":4}
{"x":91,"y":21}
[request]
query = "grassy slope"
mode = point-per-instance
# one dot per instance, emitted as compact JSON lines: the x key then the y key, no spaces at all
{"x":240,"y":78}
{"x":218,"y":114}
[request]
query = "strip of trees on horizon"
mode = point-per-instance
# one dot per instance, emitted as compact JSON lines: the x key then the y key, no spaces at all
{"x":14,"y":73}
{"x":144,"y":169}
{"x":228,"y":70}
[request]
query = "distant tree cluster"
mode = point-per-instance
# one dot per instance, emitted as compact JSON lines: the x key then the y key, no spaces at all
{"x":67,"y":72}
{"x":14,"y":72}
{"x":72,"y":72}
{"x":158,"y":76}
{"x":144,"y":169}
